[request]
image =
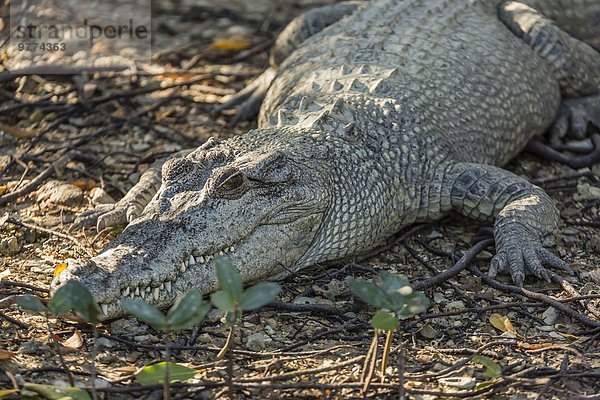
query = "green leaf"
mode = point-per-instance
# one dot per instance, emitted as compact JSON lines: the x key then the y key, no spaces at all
{"x":492,"y":368}
{"x":31,"y":303}
{"x":74,"y":296}
{"x":416,"y":303}
{"x":229,"y":279}
{"x":223,"y":301}
{"x":384,"y":320}
{"x":187,"y":311}
{"x":259,"y":295}
{"x":57,"y":392}
{"x":391,"y":283}
{"x":145,"y":312}
{"x":154,"y":374}
{"x":369,"y":293}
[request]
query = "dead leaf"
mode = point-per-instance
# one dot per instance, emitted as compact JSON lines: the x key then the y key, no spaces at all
{"x":17,"y":132}
{"x":75,"y":341}
{"x":6,"y":355}
{"x":84,"y":184}
{"x":6,"y":392}
{"x":60,"y":268}
{"x":3,"y":189}
{"x":536,"y":346}
{"x":502,"y":323}
{"x":232,"y":44}
{"x":127,"y":369}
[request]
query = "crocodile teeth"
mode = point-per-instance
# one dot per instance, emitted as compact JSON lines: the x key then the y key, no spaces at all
{"x":162,"y":286}
{"x":168,"y":286}
{"x":137,"y":291}
{"x":104,"y":308}
{"x":156,"y":293}
{"x":192,"y":260}
{"x":182,"y":267}
{"x":201,"y":260}
{"x":125,"y":292}
{"x":143,"y":295}
{"x":221,"y":253}
{"x":148,"y":289}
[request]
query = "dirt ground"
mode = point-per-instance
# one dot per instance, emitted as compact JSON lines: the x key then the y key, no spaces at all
{"x":85,"y":140}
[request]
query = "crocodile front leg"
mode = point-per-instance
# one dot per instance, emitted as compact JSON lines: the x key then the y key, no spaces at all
{"x":522,"y":214}
{"x":132,"y":204}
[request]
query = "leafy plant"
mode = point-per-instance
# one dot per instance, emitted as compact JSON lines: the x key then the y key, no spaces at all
{"x":71,"y":297}
{"x":188,"y":311}
{"x":395,"y":300}
{"x":234,"y":300}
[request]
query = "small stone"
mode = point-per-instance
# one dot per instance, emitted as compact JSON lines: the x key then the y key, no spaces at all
{"x":272,"y":322}
{"x":99,"y":196}
{"x":256,"y":341}
{"x":545,"y":328}
{"x":435,"y":235}
{"x":9,"y":246}
{"x":593,"y":243}
{"x":133,"y":356}
{"x":439,"y":298}
{"x":105,"y":343}
{"x":595,"y":275}
{"x":205,"y":338}
{"x":550,"y":315}
{"x":456,"y":305}
{"x":34,"y":348}
{"x":60,"y":193}
{"x":569,"y":240}
{"x":428,"y":332}
{"x":142,"y":338}
{"x":304,"y":300}
{"x":586,"y":192}
{"x":214,"y":315}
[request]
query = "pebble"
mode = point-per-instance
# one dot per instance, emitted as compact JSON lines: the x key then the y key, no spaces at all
{"x":456,"y":305}
{"x":304,"y":300}
{"x":99,"y":196}
{"x":550,"y":315}
{"x":60,"y":193}
{"x":586,"y":192}
{"x":9,"y":246}
{"x":256,"y":341}
{"x":569,"y":240}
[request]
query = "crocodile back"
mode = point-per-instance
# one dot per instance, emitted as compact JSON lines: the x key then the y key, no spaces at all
{"x":453,"y":75}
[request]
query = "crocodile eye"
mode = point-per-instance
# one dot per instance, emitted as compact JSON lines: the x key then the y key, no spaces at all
{"x":231,"y":182}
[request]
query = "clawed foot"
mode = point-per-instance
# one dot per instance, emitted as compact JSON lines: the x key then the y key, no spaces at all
{"x":578,"y":117}
{"x":107,"y":215}
{"x":523,"y":254}
{"x":250,"y":98}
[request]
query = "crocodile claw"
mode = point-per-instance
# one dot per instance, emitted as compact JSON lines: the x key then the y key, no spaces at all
{"x":575,"y":117}
{"x":107,"y":215}
{"x":520,"y":257}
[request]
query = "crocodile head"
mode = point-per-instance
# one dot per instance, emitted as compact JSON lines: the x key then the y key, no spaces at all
{"x":257,"y":204}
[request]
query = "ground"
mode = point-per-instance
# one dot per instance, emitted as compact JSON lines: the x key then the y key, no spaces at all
{"x":108,"y":127}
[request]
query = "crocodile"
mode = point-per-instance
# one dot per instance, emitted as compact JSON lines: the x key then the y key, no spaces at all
{"x":372,"y":117}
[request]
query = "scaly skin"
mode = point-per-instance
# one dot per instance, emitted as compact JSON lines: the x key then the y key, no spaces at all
{"x":400,"y":113}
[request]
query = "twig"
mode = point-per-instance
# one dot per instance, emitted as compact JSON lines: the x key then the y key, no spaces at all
{"x":463,"y":263}
{"x":37,"y":181}
{"x":51,"y":232}
{"x":372,"y":363}
{"x":536,"y":296}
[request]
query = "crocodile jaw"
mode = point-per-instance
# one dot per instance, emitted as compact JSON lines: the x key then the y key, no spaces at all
{"x":160,"y":282}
